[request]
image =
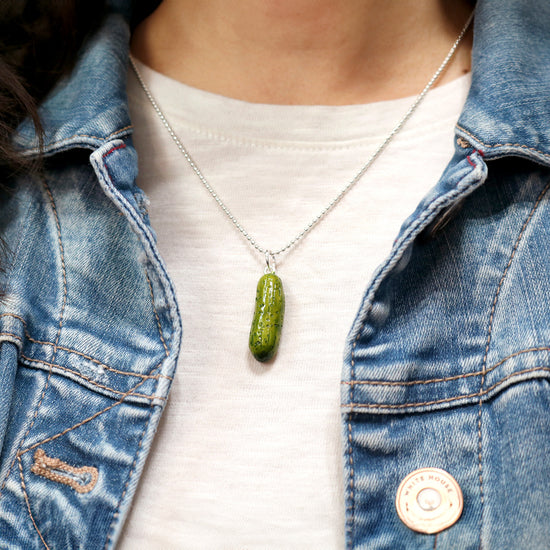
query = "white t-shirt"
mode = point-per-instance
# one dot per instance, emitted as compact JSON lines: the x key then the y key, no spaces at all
{"x":249,"y":455}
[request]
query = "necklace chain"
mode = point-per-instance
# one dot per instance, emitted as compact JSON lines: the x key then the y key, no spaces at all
{"x":269,"y":254}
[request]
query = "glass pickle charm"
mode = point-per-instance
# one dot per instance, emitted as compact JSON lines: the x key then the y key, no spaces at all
{"x":267,"y":323}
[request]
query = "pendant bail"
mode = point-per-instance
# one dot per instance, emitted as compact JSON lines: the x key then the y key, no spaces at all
{"x":271,"y":264}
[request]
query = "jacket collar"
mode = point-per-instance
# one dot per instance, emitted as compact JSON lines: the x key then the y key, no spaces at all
{"x":507,"y":110}
{"x":90,"y":106}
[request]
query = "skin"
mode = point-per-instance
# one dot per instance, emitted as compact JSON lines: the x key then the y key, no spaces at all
{"x":305,"y":52}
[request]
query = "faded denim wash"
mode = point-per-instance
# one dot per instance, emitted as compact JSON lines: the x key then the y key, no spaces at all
{"x":447,"y":363}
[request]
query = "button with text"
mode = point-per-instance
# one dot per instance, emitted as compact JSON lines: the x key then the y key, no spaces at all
{"x":429,"y":500}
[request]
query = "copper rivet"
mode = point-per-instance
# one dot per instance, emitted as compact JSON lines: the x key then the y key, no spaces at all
{"x":429,"y":500}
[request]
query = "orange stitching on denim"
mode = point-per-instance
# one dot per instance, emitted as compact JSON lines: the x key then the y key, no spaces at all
{"x":118,"y":132}
{"x":11,"y":335}
{"x":86,"y":420}
{"x":67,"y":430}
{"x":503,"y":144}
{"x":448,"y":399}
{"x":130,"y":474}
{"x":62,"y":254}
{"x":55,"y":436}
{"x":489,"y":337}
{"x":97,"y":362}
{"x":351,"y":484}
{"x":15,"y":316}
{"x":63,"y":269}
{"x":55,"y":365}
{"x":408,"y":382}
{"x":352,"y":376}
{"x":50,"y":467}
{"x":351,"y":405}
{"x":106,"y":138}
{"x":167,"y":353}
{"x":435,"y":541}
{"x":84,"y":356}
{"x":448,"y":379}
{"x":23,"y":486}
{"x":88,"y":357}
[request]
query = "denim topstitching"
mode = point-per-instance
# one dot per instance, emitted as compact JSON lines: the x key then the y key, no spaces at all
{"x":130,"y":474}
{"x":161,"y":334}
{"x":27,"y":501}
{"x":484,"y":365}
{"x":447,"y":379}
{"x":64,"y":276}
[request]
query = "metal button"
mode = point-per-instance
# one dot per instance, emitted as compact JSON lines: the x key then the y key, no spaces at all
{"x":429,"y":500}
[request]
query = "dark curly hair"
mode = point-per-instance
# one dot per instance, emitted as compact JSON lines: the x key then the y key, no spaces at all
{"x":39,"y":42}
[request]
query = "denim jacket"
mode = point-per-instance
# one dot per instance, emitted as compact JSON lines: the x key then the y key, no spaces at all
{"x":447,"y":364}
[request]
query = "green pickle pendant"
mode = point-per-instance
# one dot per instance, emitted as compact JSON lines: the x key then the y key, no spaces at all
{"x":267,"y":324}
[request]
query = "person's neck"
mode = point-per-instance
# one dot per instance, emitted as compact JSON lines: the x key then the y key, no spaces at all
{"x":324,"y":52}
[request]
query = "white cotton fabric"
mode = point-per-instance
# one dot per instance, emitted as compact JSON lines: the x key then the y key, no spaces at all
{"x":249,"y":455}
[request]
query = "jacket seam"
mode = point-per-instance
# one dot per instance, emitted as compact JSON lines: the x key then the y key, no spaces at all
{"x":103,"y":175}
{"x":14,"y":316}
{"x":487,"y":346}
{"x":79,"y":353}
{"x":130,"y":474}
{"x":351,"y":484}
{"x":438,"y":380}
{"x":48,"y":146}
{"x":428,"y":210}
{"x":90,"y":380}
{"x":27,"y":501}
{"x":499,"y":145}
{"x":448,"y":399}
{"x":86,"y":420}
{"x":97,"y":362}
{"x":75,"y":426}
{"x":161,"y":335}
{"x":11,"y":335}
{"x":159,"y":326}
{"x":426,"y":213}
{"x":64,"y":275}
{"x":148,"y":242}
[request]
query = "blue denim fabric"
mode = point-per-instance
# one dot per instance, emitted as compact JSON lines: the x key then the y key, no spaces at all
{"x":89,"y":325}
{"x":447,"y":363}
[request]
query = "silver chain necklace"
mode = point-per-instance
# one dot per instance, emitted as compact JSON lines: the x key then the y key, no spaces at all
{"x":270,"y":303}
